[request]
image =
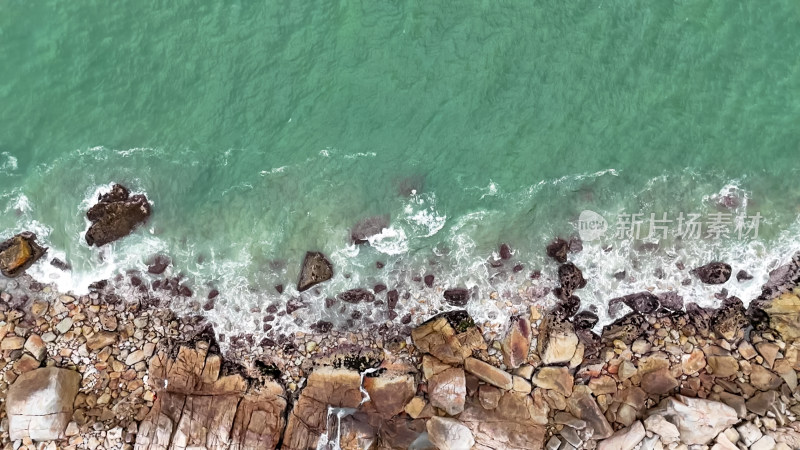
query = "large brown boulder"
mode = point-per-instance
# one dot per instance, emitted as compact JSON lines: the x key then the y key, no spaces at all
{"x":19,"y":253}
{"x":39,"y":403}
{"x":326,"y":387}
{"x":784,"y":315}
{"x":447,"y":390}
{"x":116,"y":215}
{"x":450,"y":336}
{"x":316,"y":269}
{"x":517,"y":343}
{"x":198,"y":408}
{"x":390,"y":392}
{"x":509,"y":425}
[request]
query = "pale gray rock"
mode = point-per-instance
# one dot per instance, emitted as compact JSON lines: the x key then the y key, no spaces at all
{"x":39,"y":403}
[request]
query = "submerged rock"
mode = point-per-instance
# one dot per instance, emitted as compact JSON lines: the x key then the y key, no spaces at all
{"x":743,"y":275}
{"x":158,"y":264}
{"x":60,"y":264}
{"x":505,"y":251}
{"x":316,"y":269}
{"x":19,"y":253}
{"x":713,"y":273}
{"x":368,"y":227}
{"x":457,"y":296}
{"x":115,"y":216}
{"x":357,"y":296}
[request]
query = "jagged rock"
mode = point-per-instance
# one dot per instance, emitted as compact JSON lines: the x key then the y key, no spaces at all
{"x":447,"y":390}
{"x":517,"y":342}
{"x":488,"y":373}
{"x":722,"y":366}
{"x":357,"y":296}
{"x":557,"y":341}
{"x":782,"y":280}
{"x":641,"y":302}
{"x":115,"y":215}
{"x":19,"y":253}
{"x":670,"y":300}
{"x":764,"y":379}
{"x":713,"y":273}
{"x":585,"y":320}
{"x":39,"y":403}
{"x":368,"y":227}
{"x":567,"y":306}
{"x":450,"y":336}
{"x":509,"y":426}
{"x":784,"y":315}
{"x":763,"y":402}
{"x":558,"y":250}
{"x":624,"y":439}
{"x":698,"y":420}
{"x":326,"y":387}
{"x":571,"y":278}
{"x":449,"y":434}
{"x":195,"y":407}
{"x":730,"y":321}
{"x":742,"y":275}
{"x":660,"y":426}
{"x":626,"y":329}
{"x":316,"y":269}
{"x":505,"y":251}
{"x":583,"y":406}
{"x":457,"y":296}
{"x":554,"y":378}
{"x":390,"y":393}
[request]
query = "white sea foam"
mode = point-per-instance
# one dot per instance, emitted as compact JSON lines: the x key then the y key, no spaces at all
{"x":390,"y":241}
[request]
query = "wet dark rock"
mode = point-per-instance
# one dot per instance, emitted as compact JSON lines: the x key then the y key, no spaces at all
{"x":567,"y":307}
{"x":322,"y":326}
{"x":356,"y":315}
{"x":535,"y":275}
{"x":268,"y":318}
{"x":558,"y":250}
{"x":368,"y":227}
{"x":742,"y":275}
{"x":686,"y":281}
{"x":680,"y":265}
{"x":59,"y":264}
{"x":406,"y":319}
{"x":135,"y":281}
{"x":272,"y":309}
{"x":429,"y":280}
{"x":391,"y":298}
{"x":378,"y":288}
{"x":782,"y":280}
{"x":495,"y":264}
{"x":518,"y":268}
{"x":571,"y":278}
{"x":159,"y":264}
{"x":700,"y":319}
{"x":713,"y":273}
{"x":293,"y":305}
{"x":213,"y":294}
{"x":329,"y":302}
{"x":505,"y":251}
{"x":19,"y":253}
{"x":185,"y":291}
{"x":279,"y":288}
{"x":620,"y":275}
{"x":641,"y":302}
{"x":115,"y":216}
{"x":627,"y":328}
{"x":721,"y":295}
{"x":208,"y":306}
{"x":585,"y":320}
{"x":379,"y":264}
{"x":730,"y":320}
{"x":671,"y":300}
{"x":357,"y":295}
{"x":457,"y":296}
{"x":316,"y":269}
{"x":659,"y":273}
{"x":99,"y":285}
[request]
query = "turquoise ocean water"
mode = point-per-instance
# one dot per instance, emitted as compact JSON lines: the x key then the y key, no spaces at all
{"x":261,"y":130}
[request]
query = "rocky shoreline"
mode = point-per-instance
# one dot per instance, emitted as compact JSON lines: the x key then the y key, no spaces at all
{"x":134,"y":375}
{"x":118,"y":369}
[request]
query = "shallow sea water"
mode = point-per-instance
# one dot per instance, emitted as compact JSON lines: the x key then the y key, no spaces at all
{"x":261,"y":130}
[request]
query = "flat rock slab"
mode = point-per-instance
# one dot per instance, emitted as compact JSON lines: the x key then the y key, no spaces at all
{"x":39,"y":403}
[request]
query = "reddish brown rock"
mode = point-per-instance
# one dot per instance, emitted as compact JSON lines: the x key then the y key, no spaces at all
{"x":389,"y":393}
{"x":583,"y":406}
{"x":509,"y":426}
{"x":554,"y":378}
{"x":447,"y":390}
{"x":659,"y":382}
{"x":517,"y":343}
{"x":19,"y":253}
{"x":488,"y":373}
